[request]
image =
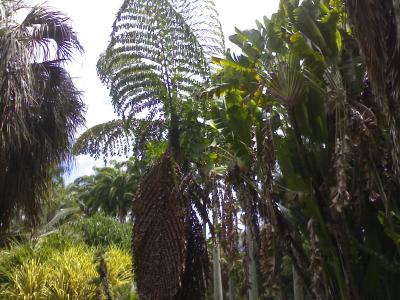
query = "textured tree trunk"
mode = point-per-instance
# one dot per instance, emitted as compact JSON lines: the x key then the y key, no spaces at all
{"x":217,"y":278}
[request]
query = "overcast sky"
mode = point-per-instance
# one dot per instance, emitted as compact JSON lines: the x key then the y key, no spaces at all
{"x":92,"y":20}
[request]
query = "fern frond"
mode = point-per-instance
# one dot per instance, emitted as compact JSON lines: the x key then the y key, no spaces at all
{"x":118,"y":137}
{"x":159,"y":53}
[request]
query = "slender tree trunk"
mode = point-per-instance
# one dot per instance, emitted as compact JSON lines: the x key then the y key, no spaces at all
{"x":218,"y":295}
{"x":217,"y":278}
{"x":298,"y":291}
{"x":251,"y":244}
{"x":232,"y":285}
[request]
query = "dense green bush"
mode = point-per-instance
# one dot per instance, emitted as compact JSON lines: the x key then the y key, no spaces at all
{"x":101,"y":231}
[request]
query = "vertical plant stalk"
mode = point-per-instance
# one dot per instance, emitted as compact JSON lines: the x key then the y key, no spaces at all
{"x":217,"y":278}
{"x":231,"y":284}
{"x":229,"y":234}
{"x":104,"y":278}
{"x":298,"y":291}
{"x":251,"y":244}
{"x":250,"y":239}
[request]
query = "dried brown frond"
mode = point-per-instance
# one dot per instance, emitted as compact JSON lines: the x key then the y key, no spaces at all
{"x":376,"y":26}
{"x":269,"y":265}
{"x":170,"y":256}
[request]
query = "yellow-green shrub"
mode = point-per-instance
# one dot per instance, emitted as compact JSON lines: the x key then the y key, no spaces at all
{"x":119,"y":266}
{"x":27,"y":282}
{"x":68,"y":274}
{"x":71,"y":273}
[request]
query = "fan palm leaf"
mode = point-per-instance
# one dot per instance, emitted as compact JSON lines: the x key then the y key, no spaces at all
{"x":40,"y":108}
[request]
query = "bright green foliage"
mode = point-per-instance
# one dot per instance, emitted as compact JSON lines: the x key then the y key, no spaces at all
{"x":100,"y":231}
{"x":68,"y":273}
{"x":29,"y":282}
{"x":117,"y":263}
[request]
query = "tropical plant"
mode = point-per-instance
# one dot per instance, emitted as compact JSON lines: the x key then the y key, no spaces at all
{"x":312,"y":155}
{"x":63,"y":273}
{"x":100,"y":231}
{"x":40,"y":107}
{"x":110,"y":189}
{"x":156,"y":62}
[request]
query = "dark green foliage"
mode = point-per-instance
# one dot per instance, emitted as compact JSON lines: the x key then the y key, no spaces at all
{"x":40,"y":107}
{"x":109,"y":190}
{"x":320,"y":160}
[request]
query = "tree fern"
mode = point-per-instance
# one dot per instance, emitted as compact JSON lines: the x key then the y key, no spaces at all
{"x":158,"y":57}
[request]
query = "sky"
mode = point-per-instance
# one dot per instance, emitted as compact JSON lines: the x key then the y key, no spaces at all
{"x":92,"y":20}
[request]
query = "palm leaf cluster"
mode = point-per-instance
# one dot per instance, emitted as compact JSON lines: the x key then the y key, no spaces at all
{"x":310,"y":165}
{"x":109,"y":190}
{"x":40,"y":107}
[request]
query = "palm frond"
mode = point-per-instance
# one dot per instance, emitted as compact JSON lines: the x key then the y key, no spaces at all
{"x":45,"y":25}
{"x":286,"y":82}
{"x":40,"y":111}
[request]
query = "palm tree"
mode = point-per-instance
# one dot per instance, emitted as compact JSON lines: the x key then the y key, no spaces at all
{"x":40,"y":108}
{"x":109,"y":190}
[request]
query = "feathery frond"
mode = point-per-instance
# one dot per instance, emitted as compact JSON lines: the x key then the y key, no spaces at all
{"x":119,"y":137}
{"x":158,"y":54}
